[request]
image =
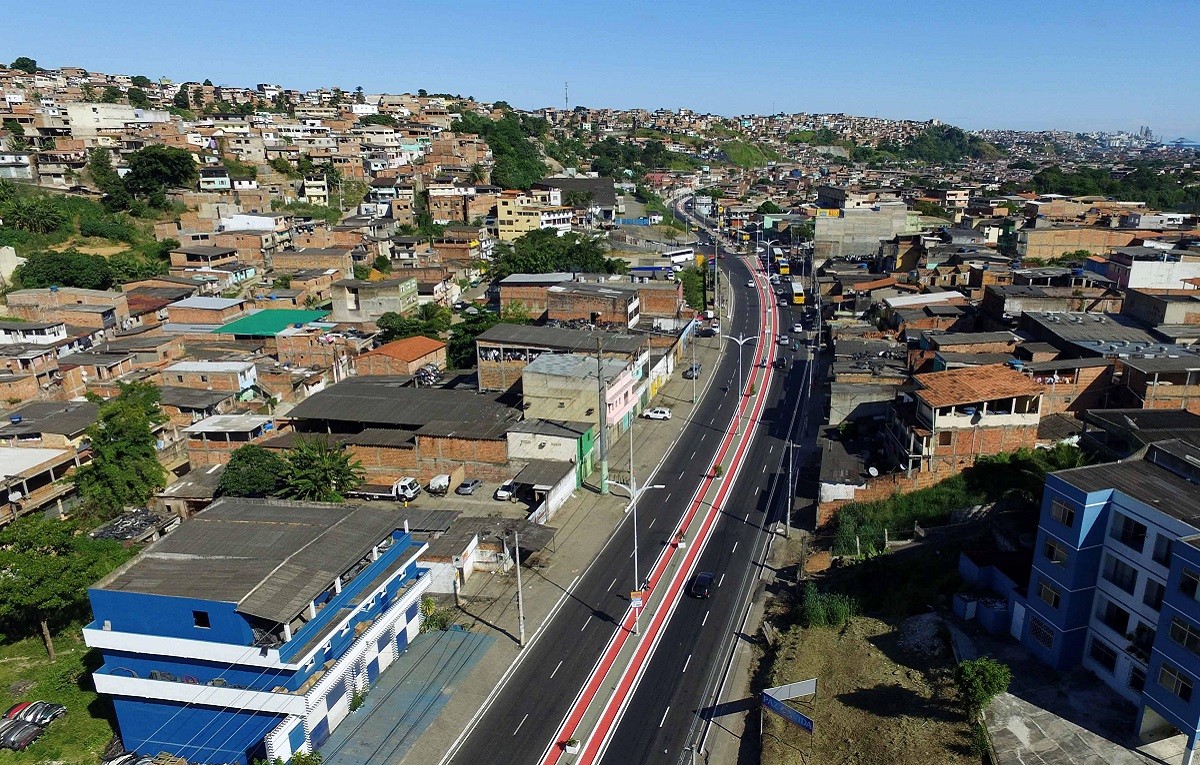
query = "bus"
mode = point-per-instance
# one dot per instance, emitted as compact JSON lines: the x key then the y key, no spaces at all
{"x":782,"y":264}
{"x":797,"y":293}
{"x":681,"y":256}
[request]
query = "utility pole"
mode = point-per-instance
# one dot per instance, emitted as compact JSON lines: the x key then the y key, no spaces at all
{"x":602,"y":406}
{"x":791,"y":500}
{"x":520,"y":595}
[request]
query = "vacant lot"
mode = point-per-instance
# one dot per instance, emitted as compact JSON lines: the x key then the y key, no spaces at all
{"x":876,"y":702}
{"x":27,"y":675}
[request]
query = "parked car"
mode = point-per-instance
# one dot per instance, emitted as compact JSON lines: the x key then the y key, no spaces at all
{"x":439,"y":484}
{"x":460,"y":305}
{"x":15,"y":710}
{"x":507,"y":490}
{"x":19,"y":735}
{"x":692,"y":372}
{"x":657,"y":413}
{"x":468,"y":486}
{"x":42,"y":713}
{"x":702,"y":585}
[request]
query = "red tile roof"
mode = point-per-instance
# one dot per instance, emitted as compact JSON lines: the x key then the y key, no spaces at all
{"x":972,"y":384}
{"x":409,"y":349}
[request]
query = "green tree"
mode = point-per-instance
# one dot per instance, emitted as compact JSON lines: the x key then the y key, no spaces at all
{"x":138,"y":98}
{"x":514,"y":312}
{"x":111,"y":95}
{"x":359,"y":98}
{"x":181,"y":99}
{"x":47,"y":569}
{"x":14,"y":127}
{"x":460,"y":348}
{"x":155,"y":168}
{"x":37,"y":214}
{"x":124,"y":469}
{"x":116,"y":196}
{"x":382,"y":264}
{"x":24,"y":64}
{"x":252,"y":471}
{"x":518,"y":160}
{"x":386,"y":120}
{"x":429,"y":320}
{"x":141,"y":81}
{"x":69,"y":268}
{"x":981,"y":680}
{"x":544,"y":251}
{"x":478,"y":173}
{"x":207,"y":82}
{"x":769,"y":208}
{"x":318,"y":470}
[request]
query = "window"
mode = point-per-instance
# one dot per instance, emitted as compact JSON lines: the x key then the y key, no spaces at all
{"x":1041,"y":632}
{"x":1128,"y":532}
{"x":1048,"y":594}
{"x":1102,"y":654}
{"x":1055,"y":552}
{"x":1162,"y":550}
{"x":1137,"y":679}
{"x":1113,"y":616}
{"x":1153,"y":596}
{"x":1185,"y":635}
{"x":200,"y":619}
{"x":1120,"y":574}
{"x":1175,"y":681}
{"x":1188,"y":583}
{"x":1062,"y":512}
{"x":945,"y":438}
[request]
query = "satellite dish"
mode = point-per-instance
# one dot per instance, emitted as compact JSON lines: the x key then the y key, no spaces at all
{"x":873,"y":472}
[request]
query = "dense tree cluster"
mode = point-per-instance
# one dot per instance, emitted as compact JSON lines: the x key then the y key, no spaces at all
{"x":152,"y":171}
{"x":543,"y":252}
{"x":429,"y":320}
{"x":378,"y":119}
{"x":316,"y":469}
{"x":1146,"y":183}
{"x":124,"y":469}
{"x":518,"y":160}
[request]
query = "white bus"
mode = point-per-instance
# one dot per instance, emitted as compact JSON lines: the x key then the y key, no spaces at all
{"x":681,"y":256}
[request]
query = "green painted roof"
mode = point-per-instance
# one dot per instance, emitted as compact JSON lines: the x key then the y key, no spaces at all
{"x":269,"y":322}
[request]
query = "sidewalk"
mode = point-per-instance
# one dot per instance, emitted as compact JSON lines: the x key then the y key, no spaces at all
{"x":584,"y":525}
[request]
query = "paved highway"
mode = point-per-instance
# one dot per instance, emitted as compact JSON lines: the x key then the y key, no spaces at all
{"x":664,"y":717}
{"x":524,"y":716}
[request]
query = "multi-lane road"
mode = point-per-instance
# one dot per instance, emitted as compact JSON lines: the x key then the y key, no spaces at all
{"x":683,"y":673}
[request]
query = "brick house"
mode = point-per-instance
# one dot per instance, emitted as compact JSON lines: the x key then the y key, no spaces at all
{"x":205,"y":310}
{"x":362,"y":301}
{"x":403,"y":357}
{"x":99,"y":309}
{"x":961,"y":414}
{"x":530,"y":291}
{"x":1073,"y":385}
{"x":503,"y":351}
{"x":322,"y":258}
{"x":212,"y":440}
{"x":600,"y":305}
{"x":202,"y":256}
{"x":1162,"y":382}
{"x":229,"y":376}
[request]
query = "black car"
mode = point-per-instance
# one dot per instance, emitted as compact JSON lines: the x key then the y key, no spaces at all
{"x":780,"y":362}
{"x":702,"y":585}
{"x":692,"y":372}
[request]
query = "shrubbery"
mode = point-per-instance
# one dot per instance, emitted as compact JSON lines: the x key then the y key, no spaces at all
{"x":826,"y":609}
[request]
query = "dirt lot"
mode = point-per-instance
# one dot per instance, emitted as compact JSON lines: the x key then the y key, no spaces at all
{"x":92,"y":246}
{"x":876,"y":702}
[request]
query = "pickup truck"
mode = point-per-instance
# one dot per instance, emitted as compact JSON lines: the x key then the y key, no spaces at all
{"x":404,"y":490}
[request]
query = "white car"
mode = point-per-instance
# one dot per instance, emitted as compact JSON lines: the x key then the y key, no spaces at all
{"x":506,"y":490}
{"x":750,"y":283}
{"x":797,"y":328}
{"x":657,"y":413}
{"x":783,"y":340}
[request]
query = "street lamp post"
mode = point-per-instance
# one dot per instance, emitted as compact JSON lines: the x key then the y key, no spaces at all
{"x":741,"y":340}
{"x":520,"y":594}
{"x":635,"y":492}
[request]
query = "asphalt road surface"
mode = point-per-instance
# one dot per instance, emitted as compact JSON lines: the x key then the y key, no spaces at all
{"x":524,"y":717}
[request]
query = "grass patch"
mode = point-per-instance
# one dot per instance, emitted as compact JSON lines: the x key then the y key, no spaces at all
{"x":745,"y":154}
{"x":27,"y":675}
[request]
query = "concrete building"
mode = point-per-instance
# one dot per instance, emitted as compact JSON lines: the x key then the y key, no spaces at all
{"x":611,"y":306}
{"x":362,"y":301}
{"x":1115,"y":582}
{"x":245,"y":633}
{"x":519,"y":212}
{"x":503,"y":351}
{"x":1153,"y":268}
{"x":567,"y":386}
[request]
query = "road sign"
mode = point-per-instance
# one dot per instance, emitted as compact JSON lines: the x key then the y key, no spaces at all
{"x":787,"y":713}
{"x":635,"y":599}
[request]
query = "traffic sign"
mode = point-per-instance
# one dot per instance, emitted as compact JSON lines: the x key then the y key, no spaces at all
{"x":635,"y":598}
{"x":786,"y":712}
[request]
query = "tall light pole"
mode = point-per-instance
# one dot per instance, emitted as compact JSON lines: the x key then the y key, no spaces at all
{"x":635,"y":493}
{"x":520,"y":594}
{"x":741,"y":340}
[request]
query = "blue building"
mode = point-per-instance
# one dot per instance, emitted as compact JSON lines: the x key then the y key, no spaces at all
{"x":246,"y":632}
{"x":1115,"y":579}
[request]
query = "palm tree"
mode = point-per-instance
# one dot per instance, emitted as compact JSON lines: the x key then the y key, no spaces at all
{"x":320,"y":471}
{"x":38,"y":214}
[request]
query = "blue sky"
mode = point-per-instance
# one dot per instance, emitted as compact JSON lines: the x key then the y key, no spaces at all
{"x":1063,"y":64}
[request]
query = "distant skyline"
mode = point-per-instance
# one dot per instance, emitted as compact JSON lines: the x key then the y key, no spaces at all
{"x":1019,"y":65}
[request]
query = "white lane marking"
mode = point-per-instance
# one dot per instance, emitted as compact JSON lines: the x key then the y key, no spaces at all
{"x":721,"y":580}
{"x":693,"y":454}
{"x":685,"y":664}
{"x":614,"y":584}
{"x":681,"y":475}
{"x":705,"y":621}
{"x":523,"y":719}
{"x":585,"y":623}
{"x":664,"y":717}
{"x":556,"y":668}
{"x":668,"y":499}
{"x":631,"y":553}
{"x":764,"y":469}
{"x":734,"y":548}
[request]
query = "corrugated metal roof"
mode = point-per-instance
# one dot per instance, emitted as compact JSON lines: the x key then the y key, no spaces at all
{"x":386,"y":401}
{"x":269,"y":322}
{"x":270,"y":557}
{"x":561,"y":339}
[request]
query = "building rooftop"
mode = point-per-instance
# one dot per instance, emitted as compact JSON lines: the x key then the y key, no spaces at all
{"x":192,"y":398}
{"x":1148,"y":479}
{"x":524,"y":280}
{"x":409,"y":348}
{"x":269,"y":322}
{"x":386,"y":401}
{"x":270,"y":557}
{"x":561,"y":339}
{"x":947,"y":339}
{"x":208,"y":303}
{"x":229,"y":423}
{"x":210,"y":366}
{"x":575,"y":365}
{"x":58,"y":417}
{"x":17,"y":459}
{"x":561,"y":428}
{"x":972,"y":384}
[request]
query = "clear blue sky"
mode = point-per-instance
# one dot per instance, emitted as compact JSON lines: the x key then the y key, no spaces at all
{"x":1065,"y":64}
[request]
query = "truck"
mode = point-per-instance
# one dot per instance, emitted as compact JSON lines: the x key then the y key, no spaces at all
{"x":439,"y":484}
{"x":405,"y":489}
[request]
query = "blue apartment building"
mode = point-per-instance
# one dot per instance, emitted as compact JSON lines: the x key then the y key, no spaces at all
{"x":1115,"y":582}
{"x":246,"y":632}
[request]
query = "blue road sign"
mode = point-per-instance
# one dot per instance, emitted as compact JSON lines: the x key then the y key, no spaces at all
{"x":787,"y":713}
